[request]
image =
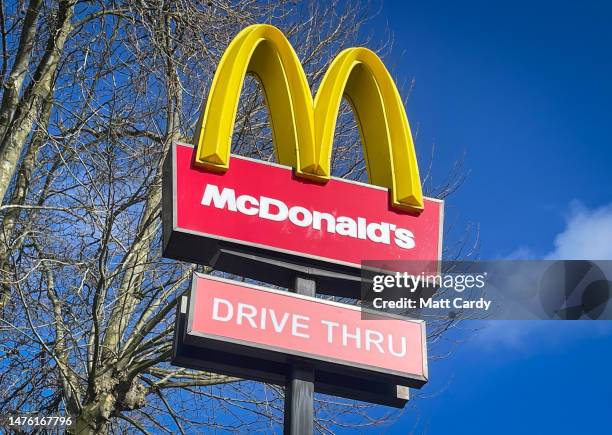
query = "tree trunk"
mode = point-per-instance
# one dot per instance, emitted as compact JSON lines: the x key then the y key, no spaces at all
{"x":41,"y":88}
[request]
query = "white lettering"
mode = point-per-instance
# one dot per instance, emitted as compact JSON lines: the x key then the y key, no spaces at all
{"x":346,"y":226}
{"x":401,"y":353}
{"x":297,"y":323}
{"x":369,"y":340}
{"x":379,"y":233}
{"x":276,"y":210}
{"x":241,"y":205}
{"x":404,"y":238}
{"x":220,"y":200}
{"x":318,"y":217}
{"x":230,"y":310}
{"x":356,"y":336}
{"x":278,"y":326}
{"x":247,"y":312}
{"x":264,"y":209}
{"x":330,"y":329}
{"x":306,"y":217}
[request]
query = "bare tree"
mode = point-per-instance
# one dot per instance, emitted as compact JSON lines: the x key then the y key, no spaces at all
{"x":94,"y":93}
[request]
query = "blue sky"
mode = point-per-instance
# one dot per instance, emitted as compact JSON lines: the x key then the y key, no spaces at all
{"x":523,"y":88}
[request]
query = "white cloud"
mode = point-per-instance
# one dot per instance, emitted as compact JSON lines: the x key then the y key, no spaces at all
{"x":521,"y":253}
{"x":587,"y":235}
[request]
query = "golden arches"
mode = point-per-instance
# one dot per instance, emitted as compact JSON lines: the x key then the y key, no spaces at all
{"x":303,"y":129}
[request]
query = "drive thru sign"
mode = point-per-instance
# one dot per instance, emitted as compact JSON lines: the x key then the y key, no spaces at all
{"x":246,"y":318}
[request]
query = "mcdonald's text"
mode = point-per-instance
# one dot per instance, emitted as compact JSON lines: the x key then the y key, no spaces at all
{"x":276,"y":210}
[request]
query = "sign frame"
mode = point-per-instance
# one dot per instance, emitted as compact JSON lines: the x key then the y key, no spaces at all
{"x":260,"y":262}
{"x":285,"y":357}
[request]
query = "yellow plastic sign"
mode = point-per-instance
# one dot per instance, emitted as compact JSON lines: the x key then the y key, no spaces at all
{"x":303,"y":129}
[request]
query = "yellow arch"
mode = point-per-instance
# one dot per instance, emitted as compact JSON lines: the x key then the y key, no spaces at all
{"x":263,"y":51}
{"x":303,"y":130}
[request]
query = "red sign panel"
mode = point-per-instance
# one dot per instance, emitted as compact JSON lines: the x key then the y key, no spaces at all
{"x":262,"y":205}
{"x":317,"y":329}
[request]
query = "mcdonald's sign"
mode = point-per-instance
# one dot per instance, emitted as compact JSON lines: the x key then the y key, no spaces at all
{"x":224,"y":210}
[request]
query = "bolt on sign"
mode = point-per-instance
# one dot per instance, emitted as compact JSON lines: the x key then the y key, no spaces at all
{"x":216,"y":204}
{"x":272,"y":327}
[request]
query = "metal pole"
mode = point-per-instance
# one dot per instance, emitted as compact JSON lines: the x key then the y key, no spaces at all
{"x":299,"y":387}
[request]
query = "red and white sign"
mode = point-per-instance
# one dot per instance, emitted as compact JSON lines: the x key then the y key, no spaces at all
{"x":263,"y":205}
{"x":287,"y":323}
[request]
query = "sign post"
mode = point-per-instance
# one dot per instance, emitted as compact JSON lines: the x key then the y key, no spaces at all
{"x":299,"y":391}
